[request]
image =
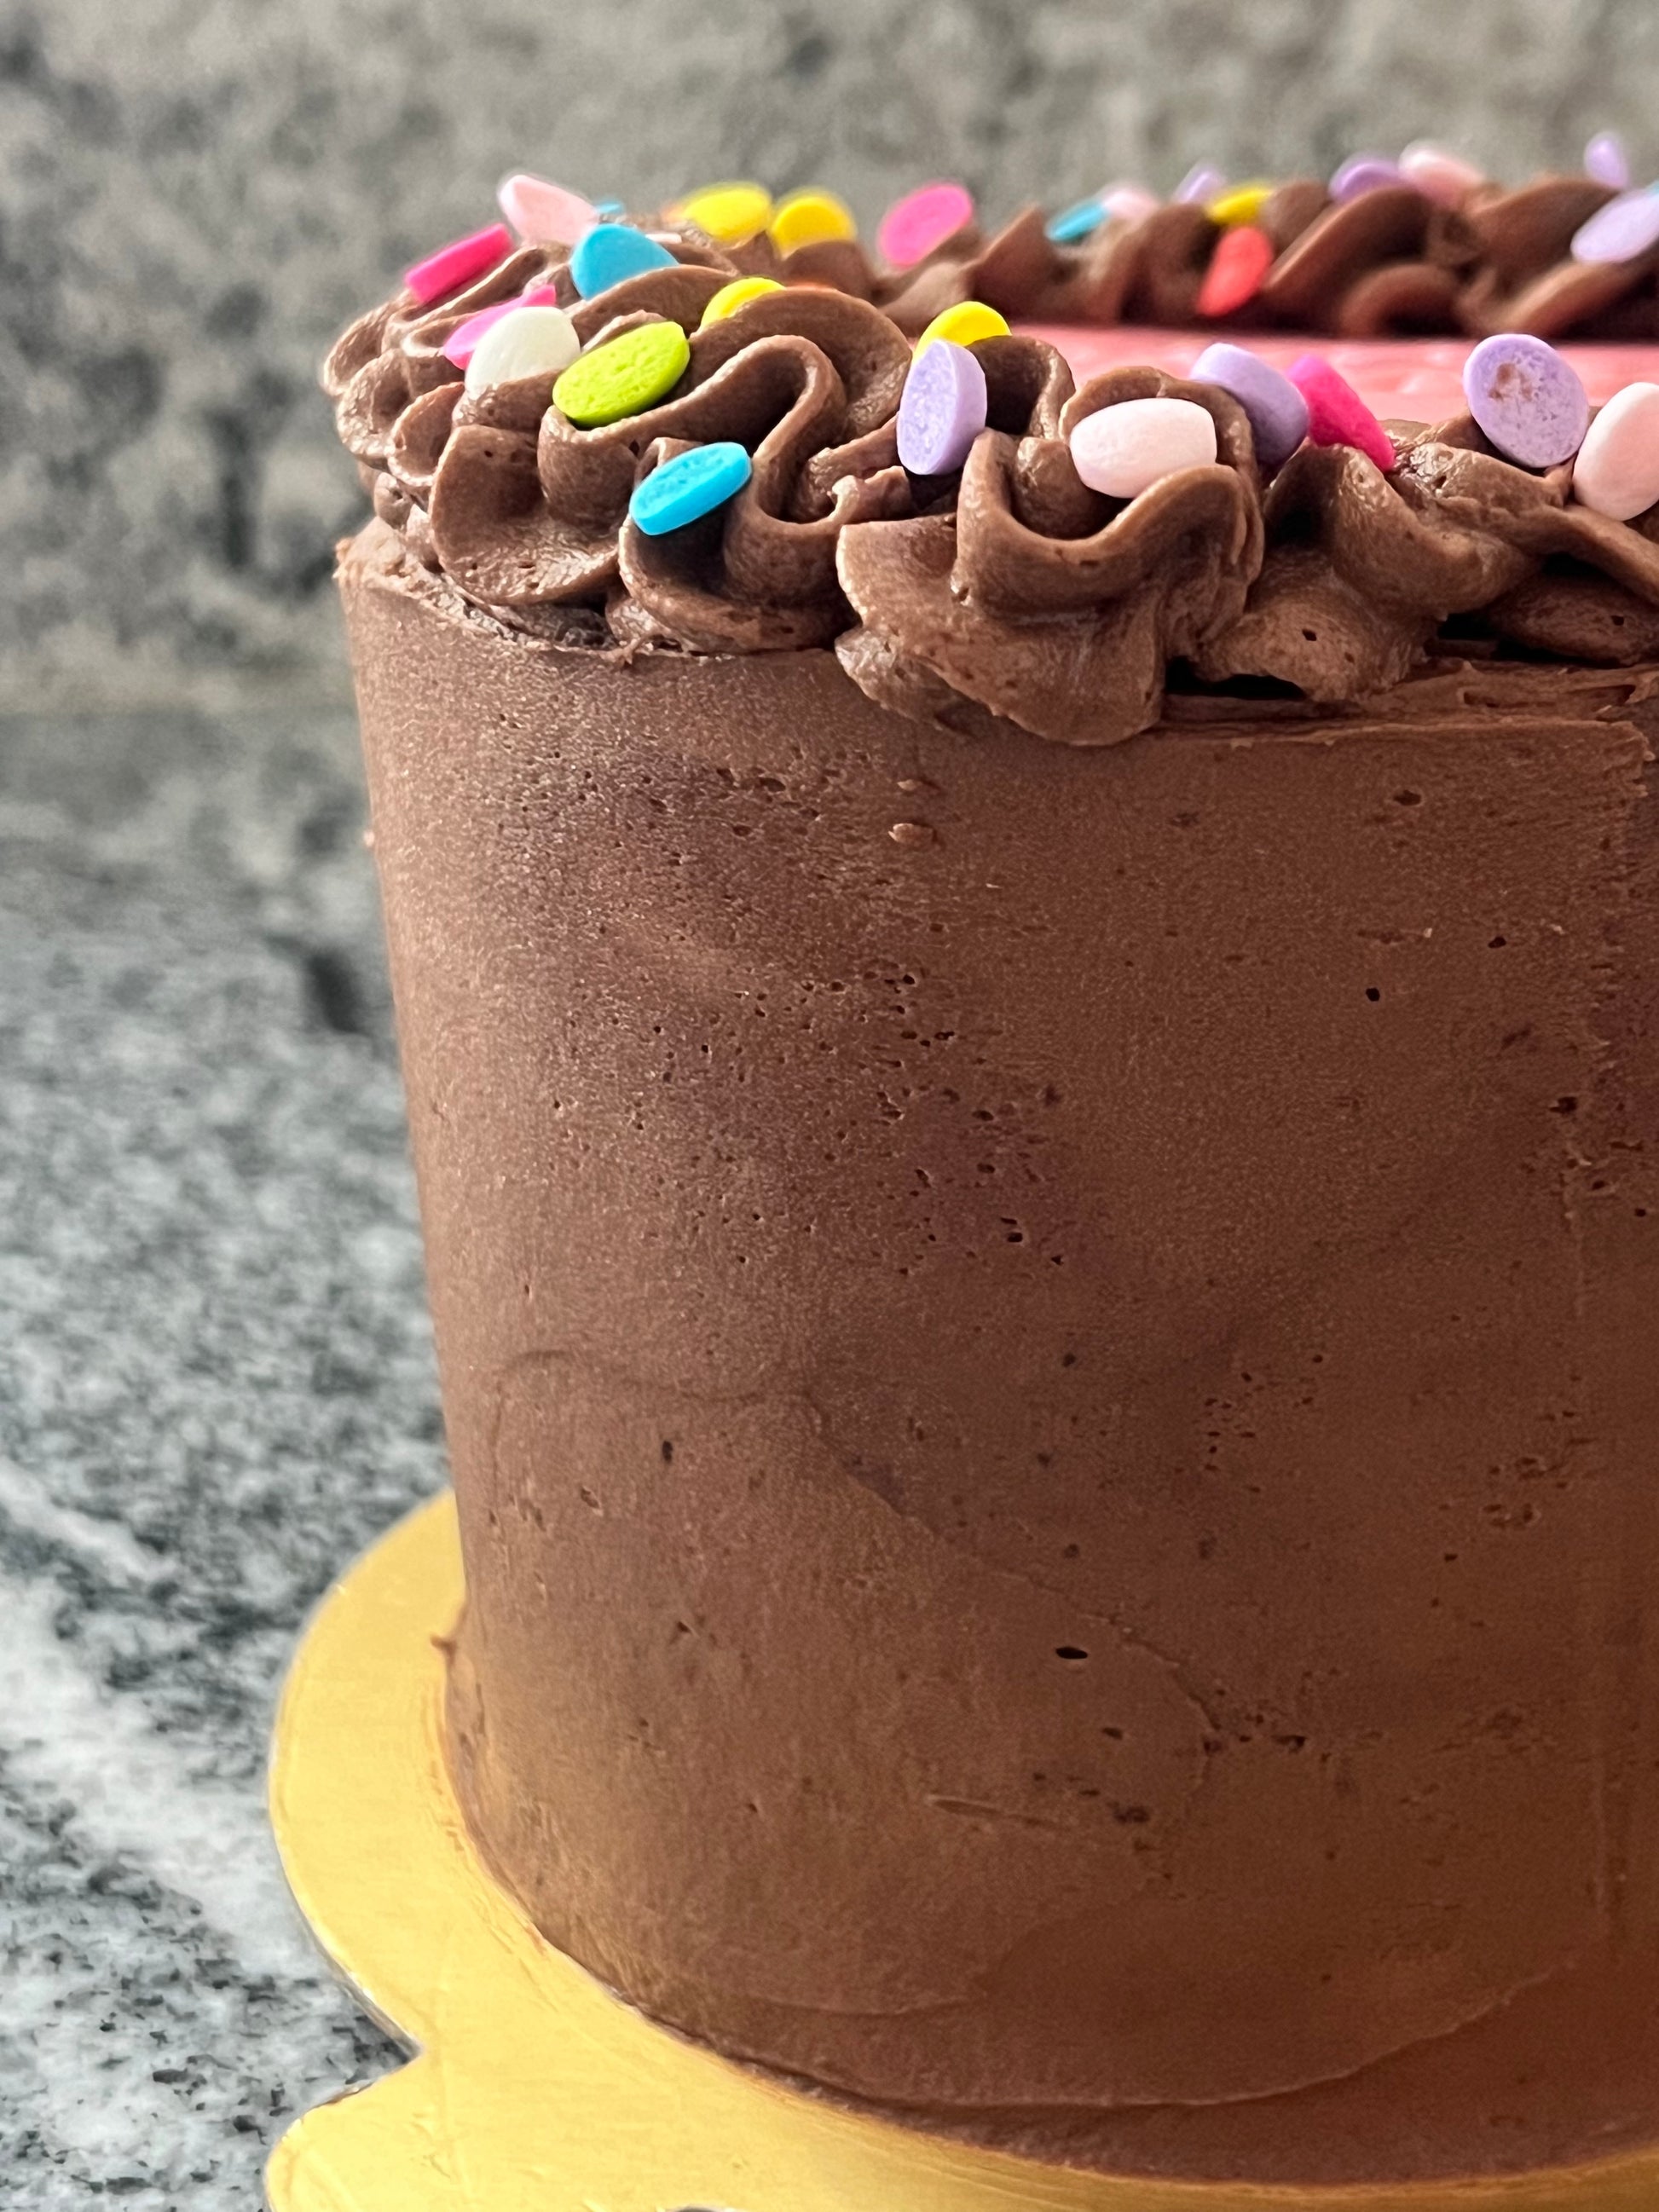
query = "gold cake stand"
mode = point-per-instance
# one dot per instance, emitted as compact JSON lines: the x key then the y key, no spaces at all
{"x":535,"y":2090}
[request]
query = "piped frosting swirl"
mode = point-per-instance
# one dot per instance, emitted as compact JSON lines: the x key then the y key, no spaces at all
{"x":1010,"y":589}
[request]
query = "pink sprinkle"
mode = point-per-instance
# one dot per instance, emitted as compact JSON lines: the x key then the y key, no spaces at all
{"x":544,"y":214}
{"x":458,"y":262}
{"x":923,"y":219}
{"x":1337,"y":415}
{"x":463,"y":341}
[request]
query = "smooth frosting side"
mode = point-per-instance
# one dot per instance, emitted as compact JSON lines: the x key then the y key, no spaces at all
{"x":1083,"y":1380}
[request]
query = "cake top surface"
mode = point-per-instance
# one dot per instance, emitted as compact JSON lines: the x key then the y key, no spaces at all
{"x":729,"y":428}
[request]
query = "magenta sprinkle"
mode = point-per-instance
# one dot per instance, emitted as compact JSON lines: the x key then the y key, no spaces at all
{"x":458,"y":262}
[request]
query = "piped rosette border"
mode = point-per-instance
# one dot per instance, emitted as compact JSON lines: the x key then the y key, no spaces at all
{"x":752,"y":495}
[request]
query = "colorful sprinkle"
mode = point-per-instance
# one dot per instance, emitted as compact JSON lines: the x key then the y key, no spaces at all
{"x":729,"y":214}
{"x":1242,"y":203}
{"x":1202,"y":183}
{"x":913,"y":227}
{"x":1617,"y":472}
{"x":1129,"y":203}
{"x":688,"y":487}
{"x":624,"y":376}
{"x":965,"y":324}
{"x":458,"y":262}
{"x":609,"y":211}
{"x":1623,"y":230}
{"x":811,"y":217}
{"x":528,"y":340}
{"x":463,"y":341}
{"x":1079,"y":220}
{"x":1445,"y":178}
{"x":1365,"y":172}
{"x":544,"y":214}
{"x":1526,"y":398}
{"x":1607,"y":162}
{"x":737,"y":294}
{"x":610,"y":253}
{"x":1337,"y":415}
{"x":943,"y":410}
{"x":1123,"y":450}
{"x":1278,"y":412}
{"x":1237,"y":270}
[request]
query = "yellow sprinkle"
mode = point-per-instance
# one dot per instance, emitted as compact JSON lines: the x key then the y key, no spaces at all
{"x":808,"y":218}
{"x":737,"y":294}
{"x":623,"y":377}
{"x":1242,"y":204}
{"x":964,"y":325}
{"x":728,"y":213}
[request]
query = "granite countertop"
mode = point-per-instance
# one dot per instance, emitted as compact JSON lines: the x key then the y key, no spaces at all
{"x":215,"y":1387}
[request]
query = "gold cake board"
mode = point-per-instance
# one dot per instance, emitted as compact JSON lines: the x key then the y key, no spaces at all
{"x":534,"y":2089}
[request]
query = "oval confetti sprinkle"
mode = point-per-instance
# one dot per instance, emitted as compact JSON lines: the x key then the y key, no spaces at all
{"x":1125,"y":450}
{"x":1203,"y":182}
{"x":1337,"y":415}
{"x":1617,"y":472}
{"x":1079,"y":220}
{"x":1242,"y":203}
{"x":965,"y":324}
{"x":1623,"y":230}
{"x":1606,"y":161}
{"x":1238,"y":269}
{"x":1129,"y":203}
{"x":729,"y":214}
{"x":458,"y":262}
{"x":611,"y":252}
{"x":811,"y":217}
{"x":942,"y":411}
{"x":624,"y":376}
{"x":913,"y":227}
{"x":1276,"y":410}
{"x":1444,"y":177}
{"x":691,"y":485}
{"x":544,"y":214}
{"x":529,"y":340}
{"x":1526,"y":398}
{"x":737,"y":294}
{"x":463,"y":341}
{"x":1365,"y":172}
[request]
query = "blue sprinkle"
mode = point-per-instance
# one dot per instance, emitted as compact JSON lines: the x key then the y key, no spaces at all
{"x":688,"y":487}
{"x":610,"y":253}
{"x":609,"y":211}
{"x":1079,"y":221}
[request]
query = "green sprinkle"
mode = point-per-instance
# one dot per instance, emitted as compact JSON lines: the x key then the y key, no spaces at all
{"x":623,"y":377}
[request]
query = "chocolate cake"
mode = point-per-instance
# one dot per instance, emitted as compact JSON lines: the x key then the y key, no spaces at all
{"x":1036,"y":1115}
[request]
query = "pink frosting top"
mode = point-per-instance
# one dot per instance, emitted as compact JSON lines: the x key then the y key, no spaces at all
{"x":1420,"y":380}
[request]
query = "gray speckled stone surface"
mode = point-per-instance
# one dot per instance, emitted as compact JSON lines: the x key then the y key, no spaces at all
{"x":194,"y":198}
{"x":215,"y":1387}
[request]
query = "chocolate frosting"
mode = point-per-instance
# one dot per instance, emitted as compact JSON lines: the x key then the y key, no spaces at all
{"x":1035,"y":1119}
{"x":1049,"y":1353}
{"x":1010,"y":591}
{"x":1526,"y":278}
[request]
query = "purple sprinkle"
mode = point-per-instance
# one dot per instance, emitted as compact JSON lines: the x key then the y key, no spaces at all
{"x":1623,"y":230}
{"x":1365,"y":172}
{"x":1526,"y":398}
{"x":1202,"y":183}
{"x":1278,"y":412}
{"x":943,"y":410}
{"x":1605,"y":161}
